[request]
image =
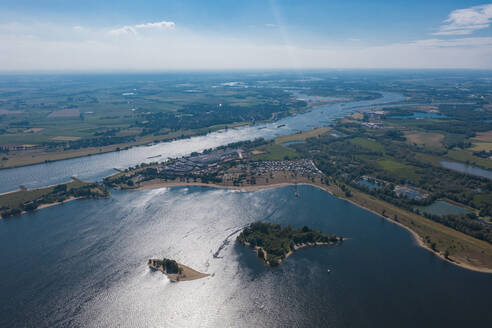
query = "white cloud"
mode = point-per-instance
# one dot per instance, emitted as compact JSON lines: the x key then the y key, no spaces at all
{"x":132,"y":29}
{"x":123,"y":30}
{"x":466,"y":21}
{"x":461,"y":42}
{"x":163,"y":24}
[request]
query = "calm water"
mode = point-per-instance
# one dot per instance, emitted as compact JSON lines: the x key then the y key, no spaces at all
{"x":371,"y":184}
{"x":296,"y":142}
{"x":83,"y":264}
{"x":420,"y":115}
{"x":467,"y":169}
{"x":98,"y":166}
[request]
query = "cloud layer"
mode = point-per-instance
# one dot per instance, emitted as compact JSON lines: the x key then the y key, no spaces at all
{"x":132,"y":29}
{"x":48,"y":46}
{"x":466,"y":21}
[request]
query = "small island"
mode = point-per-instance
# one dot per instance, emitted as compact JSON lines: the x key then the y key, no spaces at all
{"x":273,"y":244}
{"x":175,"y":271}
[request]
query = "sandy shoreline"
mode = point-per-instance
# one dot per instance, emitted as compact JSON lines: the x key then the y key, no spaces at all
{"x":416,"y":237}
{"x":42,"y":206}
{"x":162,"y":184}
{"x":289,"y":253}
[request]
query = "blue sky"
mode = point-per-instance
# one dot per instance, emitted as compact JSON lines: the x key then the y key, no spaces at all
{"x":179,"y":34}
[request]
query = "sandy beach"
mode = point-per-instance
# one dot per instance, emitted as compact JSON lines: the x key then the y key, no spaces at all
{"x":186,"y":274}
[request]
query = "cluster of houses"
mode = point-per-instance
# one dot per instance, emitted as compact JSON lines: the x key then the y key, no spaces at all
{"x":372,"y":119}
{"x":304,"y":167}
{"x":204,"y":163}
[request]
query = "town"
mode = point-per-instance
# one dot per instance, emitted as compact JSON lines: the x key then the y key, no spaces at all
{"x":230,"y":167}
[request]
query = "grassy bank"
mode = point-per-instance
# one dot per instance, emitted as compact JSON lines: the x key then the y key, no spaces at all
{"x":448,"y":243}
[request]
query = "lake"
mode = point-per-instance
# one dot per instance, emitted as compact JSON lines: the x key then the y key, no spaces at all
{"x":83,"y":264}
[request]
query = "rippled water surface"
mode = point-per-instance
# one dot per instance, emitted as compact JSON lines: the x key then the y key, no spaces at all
{"x":83,"y":264}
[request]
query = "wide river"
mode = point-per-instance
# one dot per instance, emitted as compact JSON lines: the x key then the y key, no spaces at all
{"x":98,"y":166}
{"x":83,"y":264}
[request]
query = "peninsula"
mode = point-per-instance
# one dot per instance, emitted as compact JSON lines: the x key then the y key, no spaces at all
{"x":174,"y":270}
{"x":28,"y":200}
{"x":273,"y":244}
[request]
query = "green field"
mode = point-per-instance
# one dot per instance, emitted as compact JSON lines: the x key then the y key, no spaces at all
{"x":17,"y":198}
{"x":467,"y":157}
{"x":276,"y":152}
{"x":402,"y":170}
{"x":368,"y":144}
{"x":88,"y":107}
{"x":301,"y":136}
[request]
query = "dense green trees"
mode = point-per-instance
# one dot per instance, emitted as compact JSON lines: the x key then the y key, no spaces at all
{"x":170,"y":266}
{"x":275,"y":242}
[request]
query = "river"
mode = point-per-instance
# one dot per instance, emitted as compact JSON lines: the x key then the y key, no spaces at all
{"x":98,"y":166}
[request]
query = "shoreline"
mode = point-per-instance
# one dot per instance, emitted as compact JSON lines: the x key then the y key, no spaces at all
{"x":43,"y":206}
{"x":290,"y":252}
{"x":415,"y":236}
{"x":306,"y":245}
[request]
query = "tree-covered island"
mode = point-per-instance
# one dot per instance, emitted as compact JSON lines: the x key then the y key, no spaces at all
{"x":174,"y":270}
{"x":273,"y":244}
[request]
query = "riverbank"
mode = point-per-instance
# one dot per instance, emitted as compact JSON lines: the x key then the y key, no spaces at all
{"x":473,"y":254}
{"x":33,"y":157}
{"x":156,"y":184}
